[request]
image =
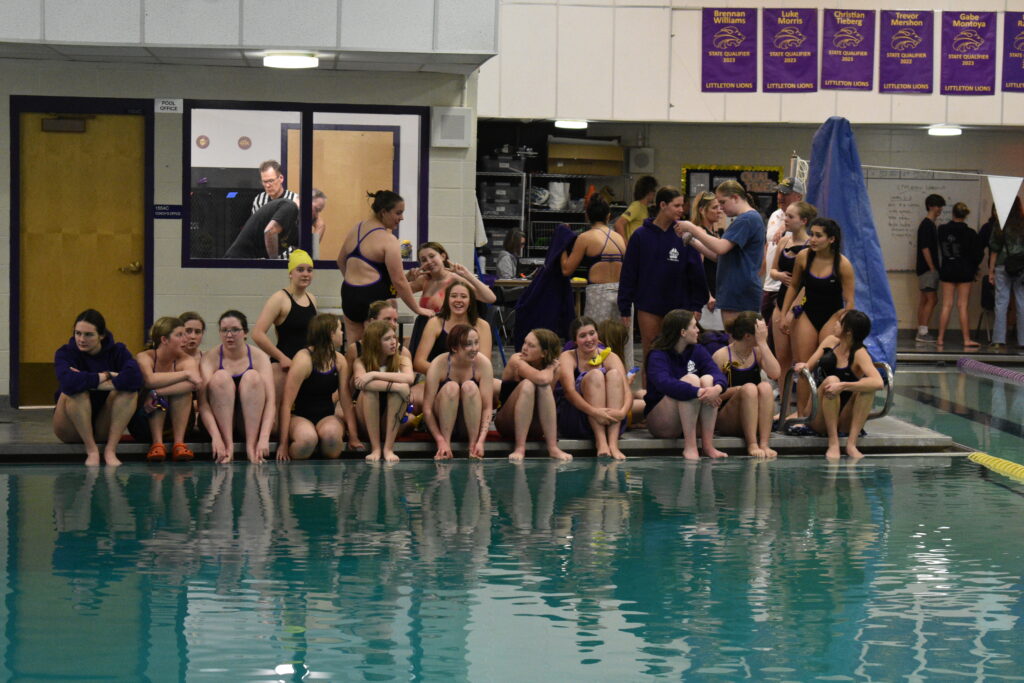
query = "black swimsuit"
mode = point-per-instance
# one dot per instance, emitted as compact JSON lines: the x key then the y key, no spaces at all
{"x":291,"y":333}
{"x":356,"y":299}
{"x":448,"y":375}
{"x":440,"y":344}
{"x":313,"y":401}
{"x":738,"y":376}
{"x":787,"y":259}
{"x":828,"y":364}
{"x":824,"y":296}
{"x":237,"y":379}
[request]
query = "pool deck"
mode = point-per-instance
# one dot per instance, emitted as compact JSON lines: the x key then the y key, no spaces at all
{"x":26,"y":437}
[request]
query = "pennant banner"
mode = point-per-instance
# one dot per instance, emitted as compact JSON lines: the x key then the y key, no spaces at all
{"x":1004,"y":190}
{"x":729,"y":50}
{"x":968,"y":53}
{"x":906,"y":43}
{"x":789,"y":45}
{"x":1013,"y":52}
{"x":848,"y":50}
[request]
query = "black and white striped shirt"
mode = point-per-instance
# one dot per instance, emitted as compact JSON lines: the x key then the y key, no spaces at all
{"x":262,"y":198}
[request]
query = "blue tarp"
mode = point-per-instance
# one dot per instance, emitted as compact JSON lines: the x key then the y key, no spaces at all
{"x":835,"y":185}
{"x":548,"y":300}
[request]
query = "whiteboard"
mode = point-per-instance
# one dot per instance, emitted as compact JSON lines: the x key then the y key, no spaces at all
{"x":897,"y":205}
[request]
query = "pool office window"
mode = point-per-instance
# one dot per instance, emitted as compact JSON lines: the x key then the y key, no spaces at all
{"x":339,"y":151}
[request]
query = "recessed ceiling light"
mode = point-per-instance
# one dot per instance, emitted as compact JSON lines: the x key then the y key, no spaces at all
{"x":291,"y":60}
{"x":571,"y":124}
{"x":944,"y":130}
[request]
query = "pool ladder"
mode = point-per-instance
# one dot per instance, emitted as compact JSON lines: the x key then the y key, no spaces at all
{"x":788,"y":396}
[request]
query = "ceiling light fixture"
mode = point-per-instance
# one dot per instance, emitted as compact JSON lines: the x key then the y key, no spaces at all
{"x":944,"y":130}
{"x":571,"y":124}
{"x":291,"y":60}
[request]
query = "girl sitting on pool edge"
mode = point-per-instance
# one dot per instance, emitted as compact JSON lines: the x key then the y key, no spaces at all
{"x":98,"y":382}
{"x":847,"y":381}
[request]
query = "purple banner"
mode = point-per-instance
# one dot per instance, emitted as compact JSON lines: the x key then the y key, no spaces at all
{"x":848,"y":50}
{"x":1013,"y":52}
{"x":729,"y":50}
{"x":789,"y":43}
{"x":905,"y":47}
{"x":968,"y":53}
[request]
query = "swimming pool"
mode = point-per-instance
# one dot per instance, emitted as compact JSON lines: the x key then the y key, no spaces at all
{"x":796,"y":569}
{"x":776,"y":571}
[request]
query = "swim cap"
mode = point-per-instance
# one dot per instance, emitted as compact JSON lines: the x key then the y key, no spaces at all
{"x":299,"y":258}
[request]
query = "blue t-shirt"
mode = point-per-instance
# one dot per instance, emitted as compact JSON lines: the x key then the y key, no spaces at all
{"x":739,"y":286}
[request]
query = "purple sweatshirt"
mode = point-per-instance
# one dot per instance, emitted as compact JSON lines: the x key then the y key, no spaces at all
{"x":660,"y":273}
{"x":664,"y":368}
{"x":113,"y":356}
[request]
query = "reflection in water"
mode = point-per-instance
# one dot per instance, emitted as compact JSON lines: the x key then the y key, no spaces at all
{"x":784,"y":569}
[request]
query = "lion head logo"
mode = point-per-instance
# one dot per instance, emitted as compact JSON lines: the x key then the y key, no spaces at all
{"x":847,"y":37}
{"x":967,"y":40}
{"x":789,"y":38}
{"x":727,"y":37}
{"x":905,"y":39}
{"x":1018,"y":42}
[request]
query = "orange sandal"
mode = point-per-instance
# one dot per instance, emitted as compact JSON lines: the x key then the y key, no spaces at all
{"x":182,"y":452}
{"x":157,"y":453}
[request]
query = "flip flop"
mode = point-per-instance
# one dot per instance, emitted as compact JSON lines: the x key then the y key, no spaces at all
{"x":157,"y":453}
{"x":181,"y":452}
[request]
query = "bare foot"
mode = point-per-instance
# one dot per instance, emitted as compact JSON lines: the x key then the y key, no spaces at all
{"x":691,"y":453}
{"x":110,"y":457}
{"x":373,"y":456}
{"x":971,"y":344}
{"x":755,"y":451}
{"x":833,"y":453}
{"x":770,"y":452}
{"x":92,"y":458}
{"x":559,"y":454}
{"x":225,"y":456}
{"x":517,"y":455}
{"x":854,"y":452}
{"x":713,"y":452}
{"x":390,"y":456}
{"x":617,"y":454}
{"x":939,"y":346}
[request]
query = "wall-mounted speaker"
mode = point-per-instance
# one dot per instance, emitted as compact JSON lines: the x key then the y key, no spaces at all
{"x":641,"y":160}
{"x":450,"y":126}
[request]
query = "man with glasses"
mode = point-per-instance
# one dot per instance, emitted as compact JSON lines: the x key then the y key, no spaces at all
{"x":273,"y":185}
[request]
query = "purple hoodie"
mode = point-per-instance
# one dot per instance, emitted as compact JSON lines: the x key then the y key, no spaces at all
{"x":664,"y":368}
{"x":660,"y":273}
{"x":113,"y":356}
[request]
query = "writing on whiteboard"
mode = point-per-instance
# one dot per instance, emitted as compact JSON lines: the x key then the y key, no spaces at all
{"x":897,"y":206}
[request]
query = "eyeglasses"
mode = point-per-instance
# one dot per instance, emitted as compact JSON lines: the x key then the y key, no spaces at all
{"x":231,"y":330}
{"x":271,"y":181}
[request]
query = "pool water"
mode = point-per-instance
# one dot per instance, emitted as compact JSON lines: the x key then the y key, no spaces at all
{"x":797,"y":569}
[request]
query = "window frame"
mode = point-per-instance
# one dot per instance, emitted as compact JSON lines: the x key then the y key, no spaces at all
{"x":307,"y":111}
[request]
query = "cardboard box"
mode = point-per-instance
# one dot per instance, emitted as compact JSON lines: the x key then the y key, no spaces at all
{"x":585,"y":159}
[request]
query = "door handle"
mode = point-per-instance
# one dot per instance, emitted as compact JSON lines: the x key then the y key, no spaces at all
{"x":133,"y":268}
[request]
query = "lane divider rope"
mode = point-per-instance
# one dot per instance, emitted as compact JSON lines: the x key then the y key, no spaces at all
{"x":977,"y":366}
{"x":1006,"y":468}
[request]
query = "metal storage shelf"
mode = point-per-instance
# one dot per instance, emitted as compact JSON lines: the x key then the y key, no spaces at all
{"x":538,"y":232}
